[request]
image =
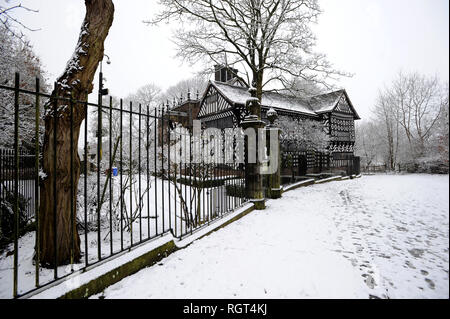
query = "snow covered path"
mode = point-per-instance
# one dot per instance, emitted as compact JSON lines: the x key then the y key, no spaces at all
{"x":380,"y":236}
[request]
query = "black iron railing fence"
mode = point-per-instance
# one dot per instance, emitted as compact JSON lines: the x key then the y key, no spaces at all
{"x":27,"y":178}
{"x":128,"y":193}
{"x":375,"y":168}
{"x":302,"y":163}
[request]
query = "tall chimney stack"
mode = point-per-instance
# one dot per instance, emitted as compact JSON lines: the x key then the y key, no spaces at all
{"x":224,"y":73}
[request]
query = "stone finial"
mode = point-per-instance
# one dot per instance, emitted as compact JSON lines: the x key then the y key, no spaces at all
{"x":252,"y":100}
{"x":272,"y":115}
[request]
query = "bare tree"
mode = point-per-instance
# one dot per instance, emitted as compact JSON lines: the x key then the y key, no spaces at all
{"x":146,"y":95}
{"x":13,"y":25}
{"x":411,"y":122}
{"x":18,"y":57}
{"x":370,"y":143}
{"x":416,"y":102}
{"x":271,"y":38}
{"x":440,"y":138}
{"x":303,"y":88}
{"x":195,"y":85}
{"x":75,"y":82}
{"x":387,"y":115}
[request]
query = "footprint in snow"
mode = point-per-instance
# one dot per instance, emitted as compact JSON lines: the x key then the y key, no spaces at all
{"x":370,"y":281}
{"x":416,"y":252}
{"x":430,"y":283}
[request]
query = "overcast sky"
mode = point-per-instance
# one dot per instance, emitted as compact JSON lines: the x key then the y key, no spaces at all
{"x":373,"y":39}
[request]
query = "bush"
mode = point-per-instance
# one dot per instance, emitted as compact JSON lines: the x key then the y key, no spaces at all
{"x":7,"y":218}
{"x":92,"y":202}
{"x":425,"y":166}
{"x":236,"y":191}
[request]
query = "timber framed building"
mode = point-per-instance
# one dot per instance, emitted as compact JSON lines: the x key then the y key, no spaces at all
{"x":223,"y":106}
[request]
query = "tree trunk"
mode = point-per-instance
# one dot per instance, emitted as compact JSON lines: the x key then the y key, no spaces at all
{"x":258,"y":84}
{"x":76,"y":81}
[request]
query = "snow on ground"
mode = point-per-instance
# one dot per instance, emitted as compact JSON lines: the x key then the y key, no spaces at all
{"x":382,"y":236}
{"x":154,"y":221}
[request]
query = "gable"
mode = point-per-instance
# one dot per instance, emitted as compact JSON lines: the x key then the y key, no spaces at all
{"x":213,"y":102}
{"x":343,"y":106}
{"x":337,"y":101}
{"x":237,"y":82}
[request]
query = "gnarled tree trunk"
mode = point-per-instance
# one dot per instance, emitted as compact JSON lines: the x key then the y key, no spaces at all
{"x":76,"y":81}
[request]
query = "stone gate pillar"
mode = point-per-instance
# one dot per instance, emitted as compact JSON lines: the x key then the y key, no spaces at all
{"x":253,"y":178}
{"x":273,"y":181}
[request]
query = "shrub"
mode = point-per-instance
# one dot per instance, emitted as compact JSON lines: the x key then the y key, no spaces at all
{"x":7,"y":218}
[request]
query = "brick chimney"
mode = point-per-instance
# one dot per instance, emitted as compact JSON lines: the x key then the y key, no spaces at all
{"x":224,"y":73}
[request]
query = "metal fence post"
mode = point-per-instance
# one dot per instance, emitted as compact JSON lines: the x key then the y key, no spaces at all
{"x":72,"y":191}
{"x":99,"y":162}
{"x":86,"y":168}
{"x":130,"y":173}
{"x":36,"y":181}
{"x":55,"y":190}
{"x":16,"y":180}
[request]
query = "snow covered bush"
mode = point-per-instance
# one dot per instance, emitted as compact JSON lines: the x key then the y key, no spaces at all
{"x":91,"y":202}
{"x":7,"y":217}
{"x":303,"y":134}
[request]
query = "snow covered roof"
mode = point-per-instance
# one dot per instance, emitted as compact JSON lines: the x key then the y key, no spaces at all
{"x":325,"y":102}
{"x":239,"y":95}
{"x":328,"y":102}
{"x":314,"y":106}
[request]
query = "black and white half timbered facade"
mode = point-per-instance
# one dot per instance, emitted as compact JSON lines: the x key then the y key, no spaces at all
{"x":339,"y":115}
{"x":223,"y":106}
